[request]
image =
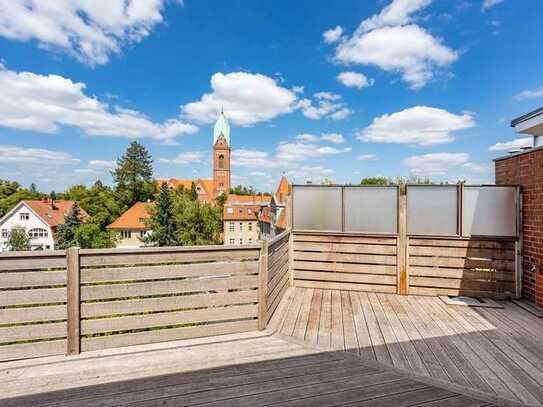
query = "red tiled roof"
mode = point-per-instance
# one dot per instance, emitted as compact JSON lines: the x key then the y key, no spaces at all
{"x":207,"y":184}
{"x":265,"y":215}
{"x":248,"y":200}
{"x":283,"y":190}
{"x":133,"y":217}
{"x":282,"y":220}
{"x":241,"y":212}
{"x":54,"y":214}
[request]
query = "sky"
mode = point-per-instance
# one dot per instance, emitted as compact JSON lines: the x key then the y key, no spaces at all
{"x":313,"y":89}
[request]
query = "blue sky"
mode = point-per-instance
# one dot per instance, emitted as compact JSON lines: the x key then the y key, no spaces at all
{"x":313,"y":89}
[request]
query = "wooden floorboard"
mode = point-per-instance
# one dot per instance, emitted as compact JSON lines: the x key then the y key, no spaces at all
{"x":492,"y":351}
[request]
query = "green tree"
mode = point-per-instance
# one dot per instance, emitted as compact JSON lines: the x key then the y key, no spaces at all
{"x":90,"y":236}
{"x":162,"y":220}
{"x":197,"y":223}
{"x":221,"y":199}
{"x":133,"y":176}
{"x":376,"y":181}
{"x":242,"y":190}
{"x":193,"y":192}
{"x":18,"y":240}
{"x":66,"y":233}
{"x":11,"y":193}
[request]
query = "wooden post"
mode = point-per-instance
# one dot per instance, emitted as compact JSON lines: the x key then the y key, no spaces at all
{"x":73,"y":301}
{"x":291,"y":258}
{"x":263,"y":287}
{"x":403,"y":278}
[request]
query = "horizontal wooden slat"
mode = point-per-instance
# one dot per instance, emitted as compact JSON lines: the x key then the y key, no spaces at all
{"x":345,"y":248}
{"x":469,"y":252}
{"x":345,"y":277}
{"x":460,"y":284}
{"x":462,"y":263}
{"x":344,"y":239}
{"x":33,"y":296}
{"x":346,"y":258}
{"x":345,"y":267}
{"x":32,"y":314}
{"x":31,"y":350}
{"x":472,"y":243}
{"x":164,"y":335}
{"x":31,"y":262}
{"x":461,"y":273}
{"x":32,"y":279}
{"x":94,"y":309}
{"x":29,"y":332}
{"x":166,"y":287}
{"x":451,"y":292}
{"x":167,"y":318}
{"x":345,"y":286}
{"x":168,"y":271}
{"x":173,"y":256}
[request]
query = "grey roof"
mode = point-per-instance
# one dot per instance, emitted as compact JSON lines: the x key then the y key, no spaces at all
{"x":526,"y":116}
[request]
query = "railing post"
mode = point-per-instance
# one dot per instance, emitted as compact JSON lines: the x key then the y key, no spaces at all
{"x":403,"y":278}
{"x":263,"y":287}
{"x":73,"y":301}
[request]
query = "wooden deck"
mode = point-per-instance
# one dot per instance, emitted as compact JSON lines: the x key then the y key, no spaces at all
{"x":498,"y":352}
{"x":249,"y":369}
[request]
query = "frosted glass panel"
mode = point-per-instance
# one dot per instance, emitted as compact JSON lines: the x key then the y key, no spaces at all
{"x":489,"y":211}
{"x":432,"y":210}
{"x":317,"y":208}
{"x":371,"y":209}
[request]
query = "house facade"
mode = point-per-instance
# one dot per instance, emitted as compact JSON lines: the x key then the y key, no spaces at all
{"x":131,"y":227}
{"x":39,"y":218}
{"x":241,"y":215}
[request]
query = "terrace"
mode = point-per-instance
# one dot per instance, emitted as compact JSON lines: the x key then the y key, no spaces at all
{"x":351,"y":306}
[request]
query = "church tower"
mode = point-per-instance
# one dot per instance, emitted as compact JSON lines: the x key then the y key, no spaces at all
{"x":221,"y":155}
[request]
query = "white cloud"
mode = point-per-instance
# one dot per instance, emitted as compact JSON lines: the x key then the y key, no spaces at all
{"x":247,"y":99}
{"x":19,"y":155}
{"x":478,"y":168}
{"x":396,"y":13}
{"x":332,"y":35}
{"x":513,"y":144}
{"x":89,"y":30}
{"x":43,"y":104}
{"x":102,"y":164}
{"x":366,"y":157}
{"x":420,"y":125}
{"x":298,"y":89}
{"x":436,"y":164}
{"x":333,"y":138}
{"x":341,"y":114}
{"x":354,"y":80}
{"x":390,"y":41}
{"x":301,"y":151}
{"x":185,"y":158}
{"x":309,"y":172}
{"x":490,"y":3}
{"x":253,"y":158}
{"x":324,"y":108}
{"x":529,"y":94}
{"x":327,"y":96}
{"x":306,"y":137}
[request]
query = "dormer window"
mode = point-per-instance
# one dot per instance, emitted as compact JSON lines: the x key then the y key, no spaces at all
{"x":249,"y":211}
{"x":24,"y":216}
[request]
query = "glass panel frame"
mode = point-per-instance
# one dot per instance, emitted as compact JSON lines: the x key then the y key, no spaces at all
{"x":429,"y":214}
{"x":317,"y":208}
{"x":371,"y":209}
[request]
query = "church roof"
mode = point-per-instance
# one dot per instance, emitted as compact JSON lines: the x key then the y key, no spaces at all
{"x":282,"y":190}
{"x":221,"y":127}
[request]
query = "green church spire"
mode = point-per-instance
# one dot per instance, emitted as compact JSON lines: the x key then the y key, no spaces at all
{"x":221,"y":127}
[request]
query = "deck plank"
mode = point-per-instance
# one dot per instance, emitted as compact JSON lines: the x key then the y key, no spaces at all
{"x":365,"y":348}
{"x":325,"y":322}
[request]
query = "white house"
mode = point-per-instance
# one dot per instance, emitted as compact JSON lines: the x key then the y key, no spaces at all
{"x":39,"y":219}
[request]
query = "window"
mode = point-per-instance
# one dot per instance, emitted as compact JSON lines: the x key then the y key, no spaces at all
{"x":229,"y":210}
{"x":24,"y":216}
{"x":232,"y":241}
{"x":126,"y":234}
{"x":249,"y":211}
{"x":221,"y":161}
{"x":231,"y":226}
{"x":240,"y":226}
{"x":142,"y":234}
{"x":142,"y":220}
{"x":250,"y":240}
{"x":5,"y":233}
{"x":240,"y":240}
{"x":37,"y":232}
{"x":250,"y":226}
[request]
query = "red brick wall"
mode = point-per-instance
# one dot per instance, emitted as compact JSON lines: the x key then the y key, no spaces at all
{"x":526,"y":170}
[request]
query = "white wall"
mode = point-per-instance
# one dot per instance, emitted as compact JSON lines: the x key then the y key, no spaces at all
{"x":33,"y":222}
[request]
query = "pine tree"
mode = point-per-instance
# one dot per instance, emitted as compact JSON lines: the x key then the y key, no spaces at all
{"x":162,"y":220}
{"x":133,"y":176}
{"x":193,"y":192}
{"x":66,"y":233}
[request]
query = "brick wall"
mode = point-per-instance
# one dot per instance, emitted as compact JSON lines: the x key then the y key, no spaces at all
{"x":526,"y":170}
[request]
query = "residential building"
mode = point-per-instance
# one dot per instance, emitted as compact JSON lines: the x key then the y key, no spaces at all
{"x":209,"y":189}
{"x":131,"y":227}
{"x":39,"y":218}
{"x":241,"y":218}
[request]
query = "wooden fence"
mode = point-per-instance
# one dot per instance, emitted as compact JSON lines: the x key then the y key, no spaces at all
{"x":278,"y":271}
{"x":80,"y":300}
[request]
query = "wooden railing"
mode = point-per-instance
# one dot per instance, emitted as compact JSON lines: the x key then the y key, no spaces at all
{"x":80,"y":300}
{"x":278,"y":271}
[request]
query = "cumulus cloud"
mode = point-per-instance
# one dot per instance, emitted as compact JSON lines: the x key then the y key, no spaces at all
{"x":333,"y":138}
{"x":529,"y":94}
{"x":20,"y":155}
{"x":419,"y":125}
{"x":247,"y":99}
{"x":89,"y":30}
{"x":185,"y":158}
{"x":366,"y":157}
{"x":303,"y":151}
{"x":327,"y":96}
{"x":354,"y":80}
{"x":324,"y":107}
{"x":45,"y":103}
{"x":332,"y":35}
{"x":253,"y":158}
{"x":490,"y":3}
{"x":102,"y":164}
{"x":390,"y":41}
{"x":513,"y":144}
{"x":436,"y":164}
